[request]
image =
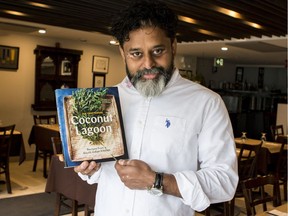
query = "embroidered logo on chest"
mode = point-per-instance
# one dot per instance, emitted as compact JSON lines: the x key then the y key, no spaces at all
{"x":167,"y":123}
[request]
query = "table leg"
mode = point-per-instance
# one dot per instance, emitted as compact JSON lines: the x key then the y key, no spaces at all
{"x":74,"y":207}
{"x":58,"y":205}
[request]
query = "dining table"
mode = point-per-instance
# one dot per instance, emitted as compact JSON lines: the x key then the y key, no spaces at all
{"x":268,"y":154}
{"x":66,"y":181}
{"x":17,"y":147}
{"x":40,"y":135}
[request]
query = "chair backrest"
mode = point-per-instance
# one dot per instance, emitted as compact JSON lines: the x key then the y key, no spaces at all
{"x":56,"y":145}
{"x":276,"y":130}
{"x":281,"y":169}
{"x":45,"y":119}
{"x":247,"y":160}
{"x":6,"y":133}
{"x":252,"y":199}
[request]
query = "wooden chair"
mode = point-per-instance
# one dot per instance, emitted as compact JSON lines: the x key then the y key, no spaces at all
{"x":276,"y":130}
{"x":56,"y":145}
{"x":247,"y":161}
{"x":43,"y":119}
{"x":61,"y":200}
{"x":281,"y":168}
{"x":6,"y":134}
{"x":252,"y":199}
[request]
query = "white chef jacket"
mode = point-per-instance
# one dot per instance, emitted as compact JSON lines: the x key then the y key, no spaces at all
{"x":185,"y":131}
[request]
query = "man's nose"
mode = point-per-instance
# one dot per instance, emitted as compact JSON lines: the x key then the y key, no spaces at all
{"x":149,"y":62}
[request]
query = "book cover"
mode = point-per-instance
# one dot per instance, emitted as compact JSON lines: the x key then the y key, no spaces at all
{"x":90,"y":124}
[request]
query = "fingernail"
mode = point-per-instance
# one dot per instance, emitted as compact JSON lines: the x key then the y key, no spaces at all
{"x":121,"y":162}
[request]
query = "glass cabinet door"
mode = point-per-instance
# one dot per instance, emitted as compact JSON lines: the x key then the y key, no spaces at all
{"x":48,"y":66}
{"x":47,"y":93}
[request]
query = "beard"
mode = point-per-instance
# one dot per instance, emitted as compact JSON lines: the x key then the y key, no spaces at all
{"x":151,"y":87}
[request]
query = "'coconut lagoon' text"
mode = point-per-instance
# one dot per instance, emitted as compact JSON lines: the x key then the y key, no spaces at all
{"x":92,"y":120}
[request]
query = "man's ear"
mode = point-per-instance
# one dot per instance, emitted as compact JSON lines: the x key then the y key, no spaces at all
{"x":174,"y":46}
{"x":122,"y":53}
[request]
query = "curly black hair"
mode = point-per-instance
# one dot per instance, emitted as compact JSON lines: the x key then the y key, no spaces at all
{"x":141,"y":14}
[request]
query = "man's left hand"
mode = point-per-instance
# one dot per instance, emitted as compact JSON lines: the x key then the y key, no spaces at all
{"x":135,"y":174}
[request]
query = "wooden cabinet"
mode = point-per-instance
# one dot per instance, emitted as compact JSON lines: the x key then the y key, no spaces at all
{"x":54,"y":68}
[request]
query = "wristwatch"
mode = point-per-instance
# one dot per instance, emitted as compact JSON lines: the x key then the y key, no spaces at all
{"x":157,"y":188}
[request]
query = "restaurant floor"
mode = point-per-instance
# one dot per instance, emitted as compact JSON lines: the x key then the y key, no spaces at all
{"x":25,"y":182}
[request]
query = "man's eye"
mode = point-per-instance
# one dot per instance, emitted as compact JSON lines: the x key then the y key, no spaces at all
{"x":136,"y":54}
{"x":157,"y":51}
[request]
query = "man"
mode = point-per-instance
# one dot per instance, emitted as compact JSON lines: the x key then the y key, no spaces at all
{"x":178,"y":133}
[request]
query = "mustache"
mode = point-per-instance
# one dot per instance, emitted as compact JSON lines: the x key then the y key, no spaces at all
{"x":155,"y":70}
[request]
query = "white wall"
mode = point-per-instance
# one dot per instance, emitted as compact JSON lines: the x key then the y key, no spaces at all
{"x":17,"y":87}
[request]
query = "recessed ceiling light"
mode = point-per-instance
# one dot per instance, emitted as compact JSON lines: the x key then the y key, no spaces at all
{"x":37,"y":4}
{"x":230,"y":13}
{"x":224,"y":48}
{"x":237,"y":15}
{"x":16,"y":13}
{"x":187,"y":19}
{"x":206,"y":32}
{"x":42,"y":31}
{"x":252,"y":24}
{"x":113,"y":42}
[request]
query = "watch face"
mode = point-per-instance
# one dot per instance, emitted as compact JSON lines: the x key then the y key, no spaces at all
{"x":156,"y":192}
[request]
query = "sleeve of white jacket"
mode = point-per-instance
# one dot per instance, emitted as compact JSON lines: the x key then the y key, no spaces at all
{"x":91,"y":179}
{"x":217,"y":176}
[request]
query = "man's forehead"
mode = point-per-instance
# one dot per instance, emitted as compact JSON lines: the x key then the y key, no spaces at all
{"x":146,"y":38}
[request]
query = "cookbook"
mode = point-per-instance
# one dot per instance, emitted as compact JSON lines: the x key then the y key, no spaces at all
{"x":91,"y":126}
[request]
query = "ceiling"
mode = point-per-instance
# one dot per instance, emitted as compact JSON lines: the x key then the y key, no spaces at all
{"x":209,"y":29}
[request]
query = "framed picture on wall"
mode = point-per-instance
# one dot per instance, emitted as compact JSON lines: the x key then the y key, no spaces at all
{"x":9,"y":57}
{"x":239,"y":74}
{"x":99,"y":80}
{"x":100,"y":64}
{"x":66,"y":68}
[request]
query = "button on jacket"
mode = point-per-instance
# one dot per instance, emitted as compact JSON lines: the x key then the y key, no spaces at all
{"x":185,"y":131}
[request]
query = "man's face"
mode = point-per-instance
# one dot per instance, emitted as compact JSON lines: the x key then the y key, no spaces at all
{"x":149,"y":56}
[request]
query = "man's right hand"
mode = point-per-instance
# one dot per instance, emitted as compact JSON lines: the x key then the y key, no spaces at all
{"x":87,"y":168}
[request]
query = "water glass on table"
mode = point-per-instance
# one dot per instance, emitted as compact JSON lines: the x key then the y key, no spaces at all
{"x":263,"y":137}
{"x":244,"y":137}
